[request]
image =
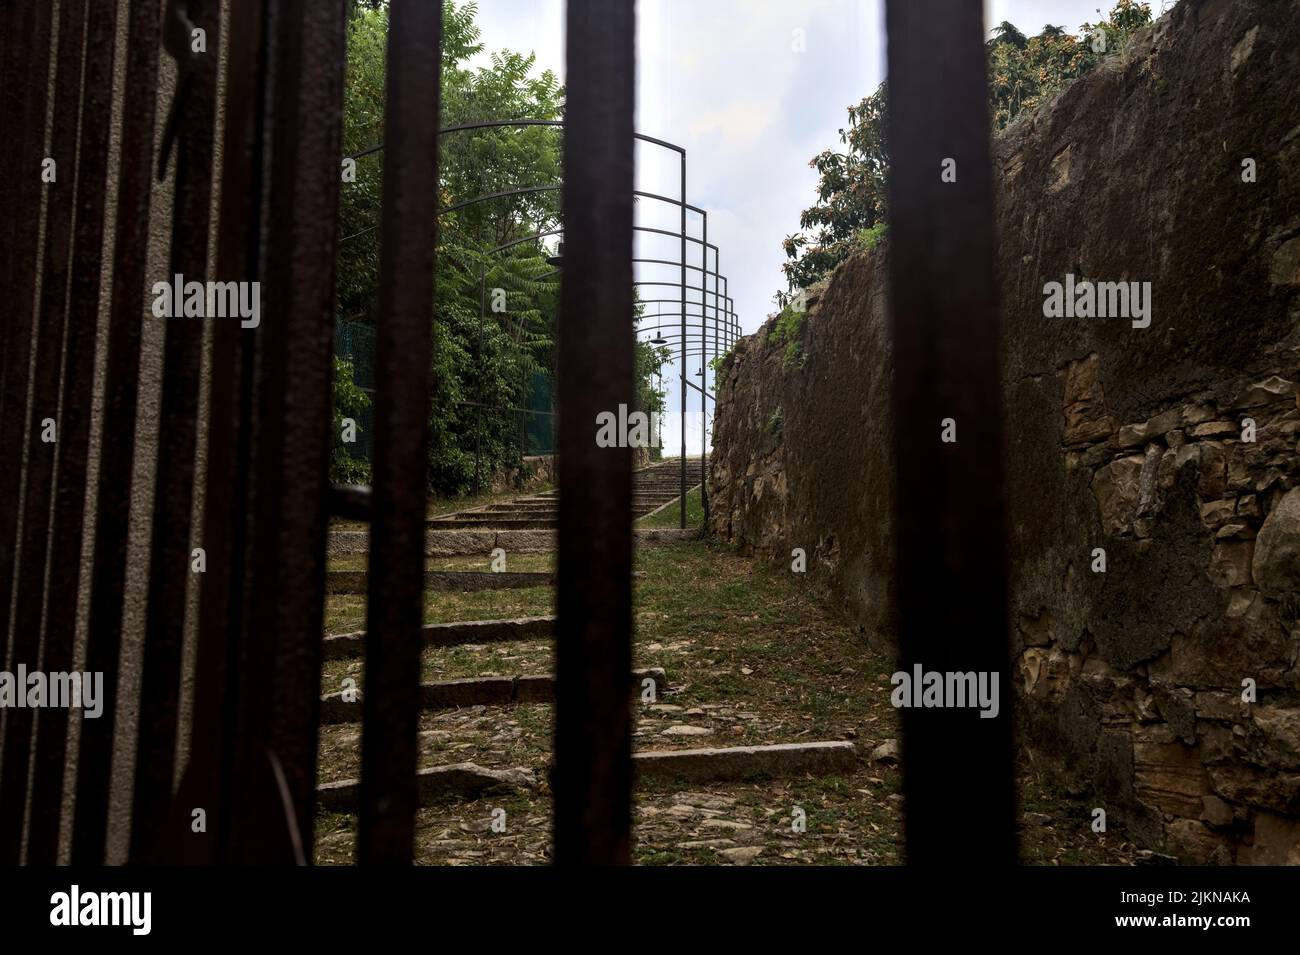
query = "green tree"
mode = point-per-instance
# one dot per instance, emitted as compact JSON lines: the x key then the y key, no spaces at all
{"x":487,"y":343}
{"x":349,"y":402}
{"x":850,"y":196}
{"x":850,"y":210}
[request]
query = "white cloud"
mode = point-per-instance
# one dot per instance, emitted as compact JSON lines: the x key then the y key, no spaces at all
{"x":724,"y":79}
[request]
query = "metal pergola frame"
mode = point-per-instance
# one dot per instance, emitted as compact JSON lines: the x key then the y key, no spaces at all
{"x":730,"y":327}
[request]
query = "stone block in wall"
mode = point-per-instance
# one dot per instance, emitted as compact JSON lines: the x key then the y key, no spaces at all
{"x":1276,"y":561}
{"x":1254,"y":786}
{"x":1219,"y":705}
{"x":1117,"y":488}
{"x":1167,"y":773}
{"x":1192,"y":840}
{"x":1230,"y":563}
{"x":1218,"y":654}
{"x":1276,"y":841}
{"x":1280,"y":726}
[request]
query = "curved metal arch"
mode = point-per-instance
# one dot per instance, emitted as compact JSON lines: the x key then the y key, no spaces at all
{"x":674,"y":301}
{"x":692,"y":335}
{"x":683,"y":237}
{"x":675,"y":341}
{"x":638,"y":228}
{"x":693,"y":341}
{"x":676,"y":202}
{"x":498,"y":123}
{"x":693,"y":288}
{"x":524,"y":191}
{"x":697,"y":268}
{"x":528,"y":238}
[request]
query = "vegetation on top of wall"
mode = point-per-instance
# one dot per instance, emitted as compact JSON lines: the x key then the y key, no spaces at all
{"x":870,"y":238}
{"x":716,"y":363}
{"x":788,"y":331}
{"x":851,"y":209}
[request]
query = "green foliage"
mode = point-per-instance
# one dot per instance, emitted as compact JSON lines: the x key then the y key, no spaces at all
{"x":870,"y":238}
{"x":788,"y":331}
{"x":715,"y":366}
{"x":648,"y":396}
{"x":494,"y":311}
{"x":649,"y":363}
{"x":850,"y":195}
{"x":349,"y":402}
{"x":850,"y":210}
{"x":776,"y":422}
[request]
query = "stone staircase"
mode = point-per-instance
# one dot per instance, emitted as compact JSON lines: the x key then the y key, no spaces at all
{"x":517,"y":521}
{"x":652,"y":488}
{"x":528,"y":524}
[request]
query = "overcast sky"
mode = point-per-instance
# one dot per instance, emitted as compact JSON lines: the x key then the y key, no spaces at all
{"x":752,"y":89}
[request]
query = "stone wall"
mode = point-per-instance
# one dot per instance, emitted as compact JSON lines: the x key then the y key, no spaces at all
{"x":1172,"y":448}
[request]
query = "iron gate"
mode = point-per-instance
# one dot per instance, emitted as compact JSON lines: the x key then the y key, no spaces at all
{"x":263,"y":425}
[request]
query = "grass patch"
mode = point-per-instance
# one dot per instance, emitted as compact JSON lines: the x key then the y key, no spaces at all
{"x":753,"y":657}
{"x":671,"y":515}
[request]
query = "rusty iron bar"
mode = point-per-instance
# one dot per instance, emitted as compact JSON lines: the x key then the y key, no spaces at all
{"x":207,"y":781}
{"x":292,"y":457}
{"x":394,"y":605}
{"x":250,"y":789}
{"x":40,"y":449}
{"x":170,"y":553}
{"x":51,"y":318}
{"x":26,"y":39}
{"x":593,"y":728}
{"x":949,"y":530}
{"x":37,"y":37}
{"x":30,"y":321}
{"x":69,"y":516}
{"x":121,"y":387}
{"x":352,"y":502}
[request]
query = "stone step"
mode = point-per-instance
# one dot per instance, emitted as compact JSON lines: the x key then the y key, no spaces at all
{"x":346,"y":645}
{"x":355,"y":581}
{"x":506,"y":517}
{"x":470,"y":781}
{"x":475,"y":691}
{"x":517,"y":507}
{"x":460,"y":523}
{"x":554,"y":501}
{"x":739,"y":763}
{"x":483,"y":540}
{"x":461,"y":780}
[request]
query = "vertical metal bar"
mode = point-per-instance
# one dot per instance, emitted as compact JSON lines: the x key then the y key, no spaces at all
{"x":291,"y":476}
{"x":68,"y":528}
{"x":394,"y":612}
{"x":209,"y":775}
{"x":40,"y":449}
{"x":169,"y":554}
{"x":683,"y":368}
{"x":20,"y":326}
{"x":14,"y":86}
{"x":949,"y":530}
{"x":121,"y":387}
{"x":250,"y":791}
{"x":704,"y":365}
{"x":593,"y":723}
